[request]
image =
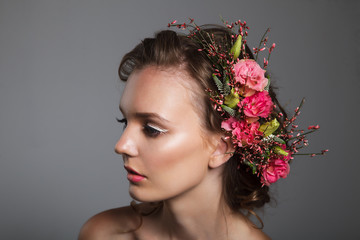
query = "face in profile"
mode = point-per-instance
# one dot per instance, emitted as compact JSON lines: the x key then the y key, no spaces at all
{"x":162,"y":144}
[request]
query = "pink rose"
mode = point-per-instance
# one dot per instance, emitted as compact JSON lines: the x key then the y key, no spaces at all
{"x":257,"y":105}
{"x":245,"y":133}
{"x":250,"y":74}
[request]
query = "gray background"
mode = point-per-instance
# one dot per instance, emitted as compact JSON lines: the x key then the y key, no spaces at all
{"x":59,"y":96}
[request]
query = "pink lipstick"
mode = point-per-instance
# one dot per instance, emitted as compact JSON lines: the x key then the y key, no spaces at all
{"x":133,"y":176}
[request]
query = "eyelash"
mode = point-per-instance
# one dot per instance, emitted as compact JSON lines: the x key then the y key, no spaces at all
{"x":149,"y":130}
{"x":124,"y":121}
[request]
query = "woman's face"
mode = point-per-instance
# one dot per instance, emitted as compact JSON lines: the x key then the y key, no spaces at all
{"x":162,"y":140}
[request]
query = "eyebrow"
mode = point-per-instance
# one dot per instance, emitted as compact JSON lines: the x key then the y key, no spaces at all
{"x":144,"y":115}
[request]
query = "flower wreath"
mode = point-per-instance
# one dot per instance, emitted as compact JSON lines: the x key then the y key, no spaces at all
{"x":260,"y":133}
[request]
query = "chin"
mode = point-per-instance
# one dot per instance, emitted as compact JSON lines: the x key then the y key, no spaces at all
{"x":138,"y":195}
{"x":135,"y":197}
{"x":141,"y":196}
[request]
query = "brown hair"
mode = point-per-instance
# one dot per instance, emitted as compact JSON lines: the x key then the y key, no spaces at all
{"x":242,"y":190}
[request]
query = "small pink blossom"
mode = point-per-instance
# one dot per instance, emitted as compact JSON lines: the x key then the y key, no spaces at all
{"x":257,"y":105}
{"x":313,"y":127}
{"x":250,"y":74}
{"x":272,"y":47}
{"x":324,"y":151}
{"x":266,"y":62}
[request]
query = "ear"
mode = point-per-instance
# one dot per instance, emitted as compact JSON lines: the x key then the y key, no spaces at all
{"x":223,"y":151}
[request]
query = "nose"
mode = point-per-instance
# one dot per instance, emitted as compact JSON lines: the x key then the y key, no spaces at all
{"x":127,"y":145}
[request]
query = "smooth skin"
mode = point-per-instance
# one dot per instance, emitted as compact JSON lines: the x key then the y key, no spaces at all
{"x":182,"y":164}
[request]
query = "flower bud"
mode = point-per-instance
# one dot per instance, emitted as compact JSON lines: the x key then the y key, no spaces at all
{"x":279,"y":150}
{"x":235,"y":50}
{"x":232,"y":99}
{"x":269,"y":127}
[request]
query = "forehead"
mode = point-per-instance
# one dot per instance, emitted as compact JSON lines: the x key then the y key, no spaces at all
{"x":156,"y":90}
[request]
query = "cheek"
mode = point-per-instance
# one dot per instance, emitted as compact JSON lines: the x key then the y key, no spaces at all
{"x":176,"y":162}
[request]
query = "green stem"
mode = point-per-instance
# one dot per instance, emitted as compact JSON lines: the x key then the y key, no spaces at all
{"x":297,"y":112}
{"x":302,"y":134}
{"x":262,"y":39}
{"x":308,"y":154}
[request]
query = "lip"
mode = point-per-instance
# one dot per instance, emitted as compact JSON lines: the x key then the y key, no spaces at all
{"x":133,"y":175}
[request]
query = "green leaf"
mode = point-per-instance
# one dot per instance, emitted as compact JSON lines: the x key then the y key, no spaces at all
{"x":279,"y":140}
{"x":251,"y":166}
{"x":268,"y":85}
{"x":227,"y":88}
{"x":218,"y":83}
{"x":230,"y":111}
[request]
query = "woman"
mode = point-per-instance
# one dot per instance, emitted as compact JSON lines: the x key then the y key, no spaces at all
{"x":185,"y":160}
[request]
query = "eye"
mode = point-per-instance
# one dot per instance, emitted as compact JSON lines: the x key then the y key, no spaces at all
{"x":124,"y":121}
{"x":153,"y":131}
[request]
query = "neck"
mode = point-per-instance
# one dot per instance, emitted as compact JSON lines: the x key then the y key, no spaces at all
{"x":199,"y":213}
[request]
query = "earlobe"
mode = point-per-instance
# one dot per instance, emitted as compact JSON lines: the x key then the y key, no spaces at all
{"x":222,"y":153}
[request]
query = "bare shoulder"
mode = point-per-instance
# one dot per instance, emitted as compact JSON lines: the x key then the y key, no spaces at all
{"x":247,"y":230}
{"x":117,"y":223}
{"x":257,"y":234}
{"x":254,"y":233}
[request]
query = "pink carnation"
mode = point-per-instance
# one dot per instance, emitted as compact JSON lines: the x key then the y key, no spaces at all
{"x":229,"y":124}
{"x":257,"y":105}
{"x":244,"y":133}
{"x":278,"y":167}
{"x":249,"y":73}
